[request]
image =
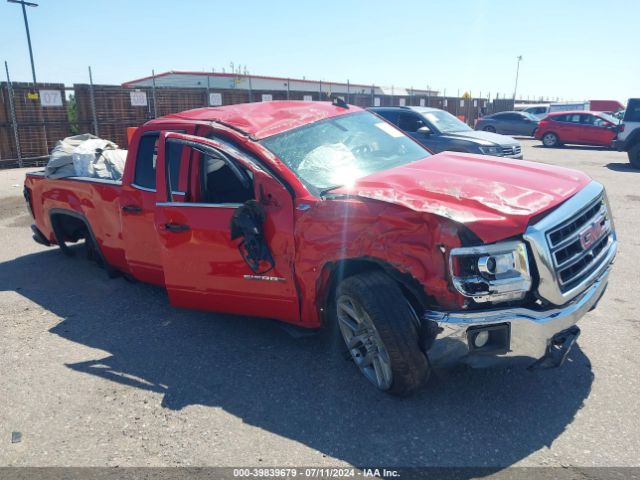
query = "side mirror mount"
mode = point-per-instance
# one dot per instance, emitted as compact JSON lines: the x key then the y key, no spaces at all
{"x":247,"y":223}
{"x":424,"y":131}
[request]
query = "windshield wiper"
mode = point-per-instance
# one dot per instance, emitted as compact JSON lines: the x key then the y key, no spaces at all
{"x":324,"y":191}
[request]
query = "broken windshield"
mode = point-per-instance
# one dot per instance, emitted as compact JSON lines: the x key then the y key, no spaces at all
{"x":339,"y":150}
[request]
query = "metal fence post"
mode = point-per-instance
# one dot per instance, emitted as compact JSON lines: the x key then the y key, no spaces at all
{"x":92,"y":97}
{"x":288,"y":88}
{"x":14,"y":121}
{"x":208,"y":90}
{"x":250,"y":90}
{"x":153,"y":92}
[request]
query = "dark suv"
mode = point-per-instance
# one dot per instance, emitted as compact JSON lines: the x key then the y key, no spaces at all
{"x":439,"y":131}
{"x":628,"y":138}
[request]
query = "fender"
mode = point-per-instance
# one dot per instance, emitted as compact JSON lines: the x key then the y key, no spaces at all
{"x":59,"y":235}
{"x":632,"y":140}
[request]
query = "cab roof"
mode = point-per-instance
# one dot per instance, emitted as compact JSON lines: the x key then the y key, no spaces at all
{"x":264,"y":119}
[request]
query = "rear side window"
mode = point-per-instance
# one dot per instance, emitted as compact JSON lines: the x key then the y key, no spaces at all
{"x":145,"y":175}
{"x":559,"y":118}
{"x":389,"y":115}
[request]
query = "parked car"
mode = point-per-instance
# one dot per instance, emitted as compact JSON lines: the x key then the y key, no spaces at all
{"x":538,"y":111}
{"x":580,"y":128}
{"x":439,"y":131}
{"x":322,"y":214}
{"x":628,"y":138}
{"x":509,"y":123}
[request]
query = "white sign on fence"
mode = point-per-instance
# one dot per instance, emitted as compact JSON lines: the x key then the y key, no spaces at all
{"x":50,"y":98}
{"x":403,"y":102}
{"x":215,"y":99}
{"x":307,"y":98}
{"x":462,"y":103}
{"x":444,"y":102}
{"x":376,"y":102}
{"x":138,"y":98}
{"x":267,"y":97}
{"x":422,"y":102}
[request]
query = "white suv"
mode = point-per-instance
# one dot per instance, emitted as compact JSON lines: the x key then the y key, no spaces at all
{"x":628,"y":138}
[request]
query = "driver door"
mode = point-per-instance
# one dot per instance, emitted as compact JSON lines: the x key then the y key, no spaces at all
{"x":203,"y":267}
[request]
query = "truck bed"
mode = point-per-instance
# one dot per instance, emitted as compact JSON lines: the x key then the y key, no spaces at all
{"x":95,"y":199}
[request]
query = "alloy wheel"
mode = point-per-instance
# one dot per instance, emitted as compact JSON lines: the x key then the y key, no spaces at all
{"x":364,"y":343}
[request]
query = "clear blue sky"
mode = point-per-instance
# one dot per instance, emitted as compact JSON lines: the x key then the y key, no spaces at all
{"x":572,"y":49}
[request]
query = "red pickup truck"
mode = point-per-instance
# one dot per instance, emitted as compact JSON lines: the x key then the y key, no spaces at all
{"x":322,"y":214}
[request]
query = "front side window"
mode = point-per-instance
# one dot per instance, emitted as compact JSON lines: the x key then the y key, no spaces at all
{"x":219,"y":183}
{"x":337,"y":151}
{"x":409,"y":122}
{"x":632,"y":114}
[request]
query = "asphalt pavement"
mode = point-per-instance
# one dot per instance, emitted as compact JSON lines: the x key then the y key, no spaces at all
{"x":100,"y":372}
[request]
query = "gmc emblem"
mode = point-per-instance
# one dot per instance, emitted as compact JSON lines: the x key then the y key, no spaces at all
{"x":589,"y":235}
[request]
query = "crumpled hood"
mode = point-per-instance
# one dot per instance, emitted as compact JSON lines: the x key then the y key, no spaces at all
{"x":494,"y":197}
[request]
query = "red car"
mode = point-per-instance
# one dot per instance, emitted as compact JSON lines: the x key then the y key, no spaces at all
{"x":325,"y":215}
{"x":579,"y":127}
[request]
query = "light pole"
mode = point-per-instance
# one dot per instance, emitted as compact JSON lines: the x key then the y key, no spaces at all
{"x":26,"y":26}
{"x":517,"y":72}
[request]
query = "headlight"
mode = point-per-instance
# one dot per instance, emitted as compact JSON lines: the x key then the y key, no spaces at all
{"x":496,"y":151}
{"x":491,"y":273}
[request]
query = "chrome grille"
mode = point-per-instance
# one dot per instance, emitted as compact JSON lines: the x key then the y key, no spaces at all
{"x":573,"y":245}
{"x":513,"y":150}
{"x":578,"y":245}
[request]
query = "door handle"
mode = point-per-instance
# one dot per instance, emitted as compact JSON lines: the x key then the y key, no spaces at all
{"x":132,"y":209}
{"x":176,"y":227}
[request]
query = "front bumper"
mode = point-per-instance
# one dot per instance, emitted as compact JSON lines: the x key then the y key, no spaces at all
{"x":618,"y":145}
{"x":530,"y":333}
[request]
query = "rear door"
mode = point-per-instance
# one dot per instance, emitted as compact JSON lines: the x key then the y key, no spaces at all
{"x":203,"y":267}
{"x":573,"y":128}
{"x":137,"y":205}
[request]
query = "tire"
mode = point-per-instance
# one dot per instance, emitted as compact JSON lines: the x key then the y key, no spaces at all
{"x":490,"y":128}
{"x":634,"y":156}
{"x":550,"y":140}
{"x":380,"y":329}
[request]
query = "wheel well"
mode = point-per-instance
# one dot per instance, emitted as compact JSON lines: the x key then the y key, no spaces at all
{"x":68,"y":228}
{"x":338,"y":271}
{"x":550,"y":131}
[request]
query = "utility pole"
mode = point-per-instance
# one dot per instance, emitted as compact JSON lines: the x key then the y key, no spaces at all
{"x":26,"y":26}
{"x":515,"y":88}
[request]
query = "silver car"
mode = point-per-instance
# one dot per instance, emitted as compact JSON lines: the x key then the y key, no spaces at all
{"x":509,"y":123}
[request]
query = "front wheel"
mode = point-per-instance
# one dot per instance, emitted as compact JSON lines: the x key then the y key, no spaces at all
{"x":380,"y":329}
{"x":634,"y":156}
{"x":550,"y":140}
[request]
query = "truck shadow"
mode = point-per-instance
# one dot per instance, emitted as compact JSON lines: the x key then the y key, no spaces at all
{"x":294,"y":387}
{"x":621,"y":167}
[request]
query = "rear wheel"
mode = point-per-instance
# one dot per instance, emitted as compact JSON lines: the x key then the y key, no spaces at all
{"x":634,"y":156}
{"x":490,"y":128}
{"x":550,"y":140}
{"x":380,"y":329}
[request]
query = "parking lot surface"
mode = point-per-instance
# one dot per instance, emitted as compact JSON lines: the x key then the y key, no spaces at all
{"x":104,"y":372}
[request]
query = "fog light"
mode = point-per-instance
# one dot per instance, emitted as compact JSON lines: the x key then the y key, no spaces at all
{"x":481,"y":339}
